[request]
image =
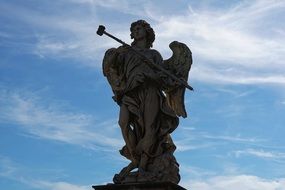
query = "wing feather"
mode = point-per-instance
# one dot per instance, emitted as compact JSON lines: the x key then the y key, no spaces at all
{"x":179,"y":64}
{"x":111,"y":70}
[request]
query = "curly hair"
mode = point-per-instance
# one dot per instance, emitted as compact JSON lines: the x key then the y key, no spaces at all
{"x":150,"y":36}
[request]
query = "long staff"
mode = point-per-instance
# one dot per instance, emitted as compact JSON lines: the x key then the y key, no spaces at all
{"x":101,"y":31}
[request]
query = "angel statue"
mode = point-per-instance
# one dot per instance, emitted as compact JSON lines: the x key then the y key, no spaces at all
{"x":150,"y":93}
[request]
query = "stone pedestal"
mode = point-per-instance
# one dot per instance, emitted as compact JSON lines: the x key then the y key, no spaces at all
{"x":140,"y":186}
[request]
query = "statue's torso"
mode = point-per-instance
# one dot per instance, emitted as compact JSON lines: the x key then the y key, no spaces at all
{"x":137,"y":71}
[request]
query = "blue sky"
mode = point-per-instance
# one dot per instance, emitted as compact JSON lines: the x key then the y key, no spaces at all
{"x":58,"y":123}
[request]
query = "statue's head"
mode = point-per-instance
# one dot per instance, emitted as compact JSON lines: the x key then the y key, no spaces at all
{"x":149,"y":33}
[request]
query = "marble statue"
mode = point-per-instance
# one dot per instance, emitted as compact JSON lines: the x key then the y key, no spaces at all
{"x":150,"y":93}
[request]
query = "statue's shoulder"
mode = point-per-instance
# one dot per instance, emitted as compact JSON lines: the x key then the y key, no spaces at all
{"x":122,"y":49}
{"x":116,"y":50}
{"x":155,"y":53}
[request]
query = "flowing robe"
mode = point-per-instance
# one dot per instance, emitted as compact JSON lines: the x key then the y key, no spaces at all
{"x":151,"y":119}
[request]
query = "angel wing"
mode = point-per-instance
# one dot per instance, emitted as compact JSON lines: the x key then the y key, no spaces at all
{"x":111,"y":71}
{"x":179,"y":64}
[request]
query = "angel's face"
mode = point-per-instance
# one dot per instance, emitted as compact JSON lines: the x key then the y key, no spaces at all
{"x":138,"y":32}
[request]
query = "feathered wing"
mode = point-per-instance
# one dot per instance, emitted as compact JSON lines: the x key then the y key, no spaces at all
{"x":179,"y":64}
{"x":111,"y":70}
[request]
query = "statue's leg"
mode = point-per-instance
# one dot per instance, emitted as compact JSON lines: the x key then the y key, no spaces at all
{"x":127,"y":132}
{"x":121,"y":177}
{"x":151,"y":109}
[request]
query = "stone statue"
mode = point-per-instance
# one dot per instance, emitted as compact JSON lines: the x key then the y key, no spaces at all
{"x":150,"y":103}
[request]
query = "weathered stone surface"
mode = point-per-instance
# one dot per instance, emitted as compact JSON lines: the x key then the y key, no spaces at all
{"x":140,"y":186}
{"x":150,"y":92}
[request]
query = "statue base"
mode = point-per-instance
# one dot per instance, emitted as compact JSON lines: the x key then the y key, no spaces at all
{"x":140,"y":186}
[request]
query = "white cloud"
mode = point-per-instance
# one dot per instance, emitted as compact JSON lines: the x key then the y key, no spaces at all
{"x":192,"y":140}
{"x":12,"y":171}
{"x":201,"y":180}
{"x":6,"y":167}
{"x":64,"y":35}
{"x":245,"y":182}
{"x":186,"y":145}
{"x":228,"y":35}
{"x":234,"y":93}
{"x":123,"y":6}
{"x":232,"y":138}
{"x":54,"y":122}
{"x":232,"y":178}
{"x":4,"y":35}
{"x":194,"y":172}
{"x":57,"y":185}
{"x":230,"y":46}
{"x":260,"y":153}
{"x":212,"y":75}
{"x":241,"y":44}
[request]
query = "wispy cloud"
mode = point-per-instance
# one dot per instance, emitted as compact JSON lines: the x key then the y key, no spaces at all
{"x":187,"y":145}
{"x":235,"y":182}
{"x":260,"y":153}
{"x":230,"y":46}
{"x":231,"y":177}
{"x":191,"y":139}
{"x":12,"y":171}
{"x":6,"y":167}
{"x":70,"y":34}
{"x":4,"y":35}
{"x":64,"y":35}
{"x":235,"y":93}
{"x":55,"y":122}
{"x":230,"y":34}
{"x":123,"y":6}
{"x":57,"y":185}
{"x":212,"y":75}
{"x":195,"y":172}
{"x":233,"y":138}
{"x":195,"y":139}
